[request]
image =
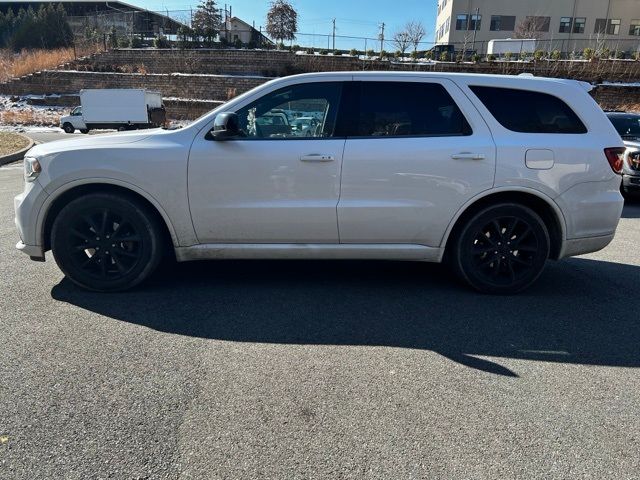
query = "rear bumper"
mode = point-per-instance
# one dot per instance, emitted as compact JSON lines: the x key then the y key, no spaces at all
{"x":582,"y":246}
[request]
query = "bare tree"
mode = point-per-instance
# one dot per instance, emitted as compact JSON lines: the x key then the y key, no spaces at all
{"x":416,"y":32}
{"x":282,"y":21}
{"x":532,"y":27}
{"x":401,"y":40}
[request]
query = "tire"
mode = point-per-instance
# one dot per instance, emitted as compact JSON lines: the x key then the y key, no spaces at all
{"x":502,"y":249}
{"x":68,"y":128}
{"x":83,"y":245}
{"x":84,"y":130}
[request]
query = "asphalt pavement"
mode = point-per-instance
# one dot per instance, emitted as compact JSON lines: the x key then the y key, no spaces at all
{"x":319,"y":370}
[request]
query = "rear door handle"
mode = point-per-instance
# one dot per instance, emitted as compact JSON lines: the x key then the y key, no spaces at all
{"x":317,"y":157}
{"x":468,"y":156}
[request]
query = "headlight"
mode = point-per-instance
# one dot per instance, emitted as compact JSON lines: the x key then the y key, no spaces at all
{"x":32,"y":169}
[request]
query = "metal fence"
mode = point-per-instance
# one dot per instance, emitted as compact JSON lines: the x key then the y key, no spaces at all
{"x":147,"y":25}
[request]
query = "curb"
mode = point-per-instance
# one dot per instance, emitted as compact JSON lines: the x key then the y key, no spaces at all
{"x":19,"y":155}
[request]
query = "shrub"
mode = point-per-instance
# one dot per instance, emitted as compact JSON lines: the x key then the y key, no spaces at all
{"x":136,"y":42}
{"x":475,"y":58}
{"x":445,"y":57}
{"x":295,"y":48}
{"x":310,"y":51}
{"x":507,"y":56}
{"x":324,"y":52}
{"x":588,"y":53}
{"x":371,"y":53}
{"x":620,"y":55}
{"x":636,"y":55}
{"x":415,"y":55}
{"x":556,"y":55}
{"x":459,"y":58}
{"x":124,"y":42}
{"x":491,"y":57}
{"x":237,"y":43}
{"x":538,"y":55}
{"x":384,"y":54}
{"x":353,"y":52}
{"x":161,"y":42}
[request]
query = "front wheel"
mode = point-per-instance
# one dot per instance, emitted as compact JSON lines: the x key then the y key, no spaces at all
{"x":106,"y":242}
{"x":501,"y":249}
{"x":68,"y":128}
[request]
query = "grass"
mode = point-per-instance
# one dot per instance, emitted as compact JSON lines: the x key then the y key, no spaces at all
{"x":31,"y":61}
{"x":45,"y":118}
{"x":11,"y":143}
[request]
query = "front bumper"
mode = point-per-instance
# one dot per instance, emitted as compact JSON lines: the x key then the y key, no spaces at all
{"x":35,"y":252}
{"x":631,"y":183}
{"x":27,"y":207}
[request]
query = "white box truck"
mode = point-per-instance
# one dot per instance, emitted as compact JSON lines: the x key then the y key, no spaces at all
{"x":119,"y":109}
{"x":511,"y":45}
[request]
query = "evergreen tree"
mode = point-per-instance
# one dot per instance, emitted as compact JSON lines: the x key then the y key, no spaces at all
{"x":207,"y":21}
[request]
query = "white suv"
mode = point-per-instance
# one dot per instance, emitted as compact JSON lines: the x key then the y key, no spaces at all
{"x":494,"y":174}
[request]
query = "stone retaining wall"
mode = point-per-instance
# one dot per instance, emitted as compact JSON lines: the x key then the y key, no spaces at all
{"x":207,"y":87}
{"x":280,"y":63}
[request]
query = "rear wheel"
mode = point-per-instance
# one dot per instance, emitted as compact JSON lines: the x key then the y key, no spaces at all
{"x":501,"y":249}
{"x":84,"y":130}
{"x":68,"y":128}
{"x":106,"y":242}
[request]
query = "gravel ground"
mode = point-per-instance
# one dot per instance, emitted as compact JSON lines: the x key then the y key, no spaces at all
{"x":246,"y":370}
{"x":11,"y":143}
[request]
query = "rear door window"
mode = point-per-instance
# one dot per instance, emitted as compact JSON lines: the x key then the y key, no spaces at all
{"x":406,"y":109}
{"x":526,"y":111}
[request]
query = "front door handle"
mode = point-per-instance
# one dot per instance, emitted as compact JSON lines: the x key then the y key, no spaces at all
{"x":317,"y":157}
{"x":468,"y":156}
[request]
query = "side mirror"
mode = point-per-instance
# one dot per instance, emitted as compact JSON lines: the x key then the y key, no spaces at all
{"x":225,"y":126}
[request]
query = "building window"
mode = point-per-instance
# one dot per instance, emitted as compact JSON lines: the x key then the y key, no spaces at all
{"x":462,"y":22}
{"x":613,"y":27}
{"x":635,"y":28}
{"x":565,"y":24}
{"x":578,"y":25}
{"x":502,"y":23}
{"x":601,"y":25}
{"x":475,"y":22}
{"x":537,"y":24}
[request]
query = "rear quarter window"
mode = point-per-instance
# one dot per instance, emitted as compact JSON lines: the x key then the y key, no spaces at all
{"x":526,"y":111}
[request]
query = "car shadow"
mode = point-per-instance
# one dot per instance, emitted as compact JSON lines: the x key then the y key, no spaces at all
{"x":579,"y":312}
{"x":631,"y":208}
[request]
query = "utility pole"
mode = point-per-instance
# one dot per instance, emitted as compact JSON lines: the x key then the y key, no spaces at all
{"x":382,"y":38}
{"x":334,"y":35}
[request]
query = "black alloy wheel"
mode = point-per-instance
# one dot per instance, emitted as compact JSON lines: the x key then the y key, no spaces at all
{"x":105,"y":242}
{"x":502,"y":249}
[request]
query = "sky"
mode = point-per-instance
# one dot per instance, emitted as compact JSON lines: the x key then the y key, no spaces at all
{"x":359,"y":18}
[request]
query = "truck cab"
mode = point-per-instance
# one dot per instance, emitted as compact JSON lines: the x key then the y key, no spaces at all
{"x":74,"y":121}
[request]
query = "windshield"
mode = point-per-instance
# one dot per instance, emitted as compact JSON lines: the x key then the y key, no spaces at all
{"x":626,"y":125}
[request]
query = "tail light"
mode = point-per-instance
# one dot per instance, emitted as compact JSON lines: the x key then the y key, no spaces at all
{"x":615,"y":156}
